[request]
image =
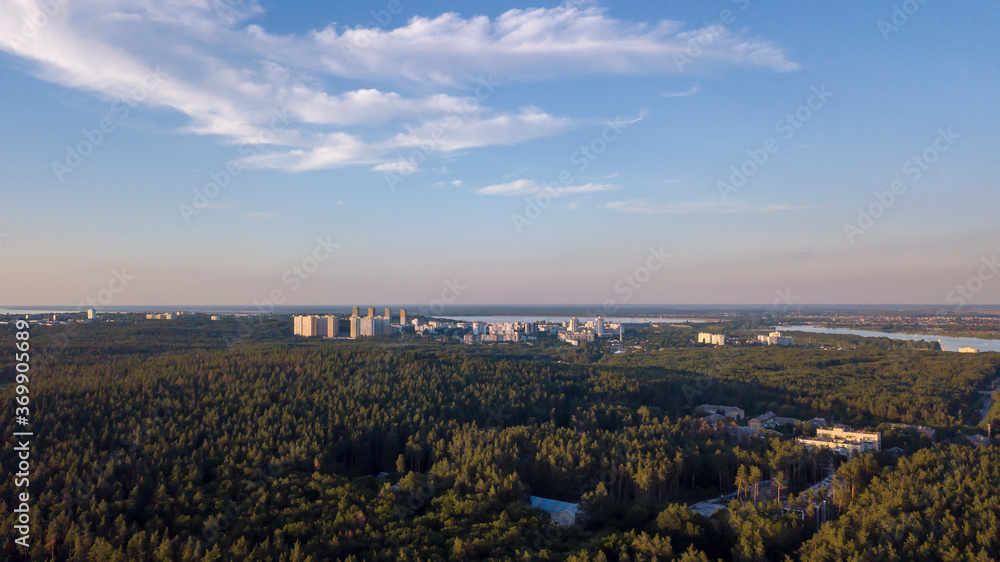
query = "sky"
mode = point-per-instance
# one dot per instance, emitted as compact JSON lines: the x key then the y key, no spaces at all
{"x":235,"y":152}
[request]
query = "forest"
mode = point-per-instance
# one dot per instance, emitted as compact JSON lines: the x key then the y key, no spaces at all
{"x":198,"y":440}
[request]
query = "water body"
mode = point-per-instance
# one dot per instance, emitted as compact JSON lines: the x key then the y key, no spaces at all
{"x":948,"y":343}
{"x":583,"y":319}
{"x":22,"y":311}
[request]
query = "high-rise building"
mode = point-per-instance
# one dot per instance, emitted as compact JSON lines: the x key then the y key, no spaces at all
{"x":402,"y":316}
{"x":371,"y":312}
{"x":332,"y":326}
{"x":354,"y":311}
{"x":599,"y":327}
{"x":317,"y":326}
{"x":574,"y":324}
{"x":388,"y":314}
{"x":307,"y":326}
{"x":355,"y":323}
{"x":91,"y":314}
{"x":373,"y":326}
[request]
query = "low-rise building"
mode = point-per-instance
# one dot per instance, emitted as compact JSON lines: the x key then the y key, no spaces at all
{"x":844,"y":441}
{"x":922,"y":430}
{"x":161,"y":316}
{"x":762,"y":421}
{"x":968,"y":350}
{"x":562,"y":513}
{"x":731,"y":412}
{"x":979,"y":440}
{"x":575,"y":338}
{"x":775,"y":338}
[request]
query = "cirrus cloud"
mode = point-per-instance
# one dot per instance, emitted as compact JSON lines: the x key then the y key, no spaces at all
{"x":348,"y":96}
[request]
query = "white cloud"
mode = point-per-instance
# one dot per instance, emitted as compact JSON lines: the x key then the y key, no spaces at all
{"x":309,"y":101}
{"x":454,"y":133}
{"x":645,"y":206}
{"x":399,"y":167}
{"x":649,"y":207}
{"x":531,"y":187}
{"x":694,"y":89}
{"x":537,"y":44}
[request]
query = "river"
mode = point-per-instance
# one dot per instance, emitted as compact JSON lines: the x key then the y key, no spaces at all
{"x":948,"y":343}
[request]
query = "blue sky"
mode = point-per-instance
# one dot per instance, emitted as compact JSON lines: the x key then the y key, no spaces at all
{"x":529,"y":152}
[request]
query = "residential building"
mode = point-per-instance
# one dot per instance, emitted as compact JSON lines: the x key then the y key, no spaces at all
{"x":979,"y":440}
{"x":775,"y":338}
{"x":761,"y":421}
{"x":354,"y":311}
{"x":574,"y":338}
{"x":332,"y":326}
{"x":91,"y":314}
{"x":712,"y":339}
{"x":162,"y":316}
{"x":599,"y":327}
{"x":388,"y":314}
{"x":731,"y":412}
{"x":574,"y":324}
{"x":968,"y":350}
{"x":844,"y":441}
{"x":373,"y":326}
{"x":402,"y":317}
{"x":562,"y":513}
{"x":371,"y":312}
{"x":922,"y":430}
{"x":312,"y":326}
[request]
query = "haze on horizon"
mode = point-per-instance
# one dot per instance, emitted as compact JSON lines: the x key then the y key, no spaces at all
{"x":528,"y":153}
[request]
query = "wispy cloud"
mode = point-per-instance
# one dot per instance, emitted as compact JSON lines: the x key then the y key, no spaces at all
{"x":230,"y":78}
{"x":649,"y":207}
{"x":215,"y":205}
{"x":694,"y":89}
{"x":399,"y":166}
{"x":531,"y":187}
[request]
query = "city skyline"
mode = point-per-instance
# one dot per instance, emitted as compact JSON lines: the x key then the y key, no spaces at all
{"x":423,"y":153}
